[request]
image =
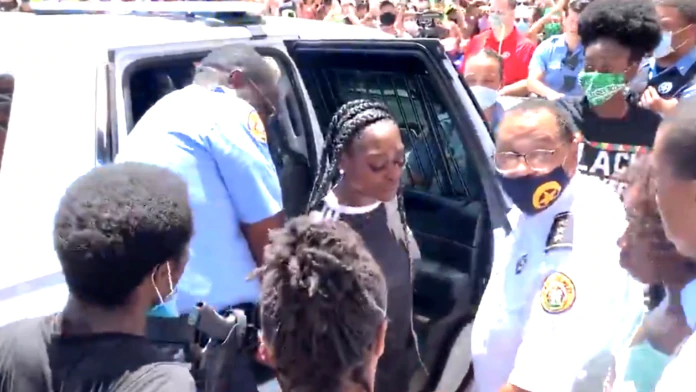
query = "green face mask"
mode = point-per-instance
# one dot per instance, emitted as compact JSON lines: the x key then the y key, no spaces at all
{"x":600,"y":87}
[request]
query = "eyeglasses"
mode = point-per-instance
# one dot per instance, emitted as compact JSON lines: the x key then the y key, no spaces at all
{"x":540,"y":160}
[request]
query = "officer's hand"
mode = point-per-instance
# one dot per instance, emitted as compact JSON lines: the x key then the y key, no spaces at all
{"x":652,"y":100}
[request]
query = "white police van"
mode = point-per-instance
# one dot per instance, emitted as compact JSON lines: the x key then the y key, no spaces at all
{"x":81,"y":82}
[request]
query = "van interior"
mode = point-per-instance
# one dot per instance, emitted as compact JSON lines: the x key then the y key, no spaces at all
{"x":446,"y":211}
{"x":6,"y":91}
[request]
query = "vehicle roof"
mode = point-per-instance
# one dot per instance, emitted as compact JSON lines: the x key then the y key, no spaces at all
{"x":119,"y":31}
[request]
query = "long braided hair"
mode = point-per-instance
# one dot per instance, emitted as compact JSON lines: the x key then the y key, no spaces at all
{"x":323,"y":302}
{"x":347,"y":124}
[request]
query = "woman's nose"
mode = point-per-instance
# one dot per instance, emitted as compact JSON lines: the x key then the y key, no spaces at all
{"x":622,"y":242}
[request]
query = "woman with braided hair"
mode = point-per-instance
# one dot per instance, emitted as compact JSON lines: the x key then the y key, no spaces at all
{"x":358,"y":182}
{"x":323,"y":308}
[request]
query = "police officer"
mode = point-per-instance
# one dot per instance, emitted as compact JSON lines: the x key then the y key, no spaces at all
{"x":212,"y":133}
{"x":556,"y":293}
{"x":671,"y":73}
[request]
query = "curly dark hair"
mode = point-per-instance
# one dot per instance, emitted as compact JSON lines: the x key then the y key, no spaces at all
{"x":323,"y":300}
{"x":115,"y":224}
{"x":633,"y":24}
{"x":645,"y":224}
{"x":347,"y":124}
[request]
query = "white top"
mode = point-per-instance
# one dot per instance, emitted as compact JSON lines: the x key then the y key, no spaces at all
{"x":681,"y":370}
{"x":569,"y":347}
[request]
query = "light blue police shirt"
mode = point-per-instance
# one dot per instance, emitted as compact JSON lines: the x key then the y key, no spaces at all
{"x":560,"y":74}
{"x":683,"y":65}
{"x":209,"y":138}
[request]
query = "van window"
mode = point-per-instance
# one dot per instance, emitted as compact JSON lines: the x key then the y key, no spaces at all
{"x":436,"y":160}
{"x":6,"y":91}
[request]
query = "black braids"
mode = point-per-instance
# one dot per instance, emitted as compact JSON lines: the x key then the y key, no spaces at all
{"x":322,"y":303}
{"x":350,"y":119}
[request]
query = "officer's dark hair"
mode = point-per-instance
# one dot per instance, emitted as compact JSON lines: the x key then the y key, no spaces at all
{"x":323,"y":300}
{"x":577,"y":6}
{"x":237,"y":57}
{"x":493,"y":55}
{"x":346,"y":125}
{"x":679,"y":139}
{"x":363,"y":5}
{"x":686,"y":8}
{"x":115,"y":224}
{"x":632,"y":24}
{"x":564,"y":121}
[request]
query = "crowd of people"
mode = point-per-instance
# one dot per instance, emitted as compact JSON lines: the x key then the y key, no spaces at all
{"x":597,"y":162}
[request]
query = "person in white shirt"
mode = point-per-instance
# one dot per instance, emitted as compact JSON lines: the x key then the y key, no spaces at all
{"x":557,"y":296}
{"x":675,"y":186}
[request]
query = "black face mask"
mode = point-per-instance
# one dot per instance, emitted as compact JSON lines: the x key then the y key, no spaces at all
{"x":387,"y":19}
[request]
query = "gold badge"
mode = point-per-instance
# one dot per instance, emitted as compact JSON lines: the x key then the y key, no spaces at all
{"x":258,"y":131}
{"x":545,"y":194}
{"x":558,"y":293}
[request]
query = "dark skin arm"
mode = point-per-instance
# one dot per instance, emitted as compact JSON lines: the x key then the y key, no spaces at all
{"x":256,"y":234}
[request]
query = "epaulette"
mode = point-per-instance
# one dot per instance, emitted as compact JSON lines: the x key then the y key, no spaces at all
{"x":561,"y":233}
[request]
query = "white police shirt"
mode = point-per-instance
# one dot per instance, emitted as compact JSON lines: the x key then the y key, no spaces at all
{"x":679,"y":374}
{"x":557,"y":298}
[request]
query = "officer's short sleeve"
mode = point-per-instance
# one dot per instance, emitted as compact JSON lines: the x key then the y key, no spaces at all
{"x":241,"y":154}
{"x":540,"y":58}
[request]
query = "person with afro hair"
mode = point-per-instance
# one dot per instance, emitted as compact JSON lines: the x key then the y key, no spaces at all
{"x":121,"y":234}
{"x":616,"y":35}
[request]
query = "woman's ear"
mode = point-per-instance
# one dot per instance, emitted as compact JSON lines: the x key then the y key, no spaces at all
{"x":380,"y":338}
{"x":264,"y":354}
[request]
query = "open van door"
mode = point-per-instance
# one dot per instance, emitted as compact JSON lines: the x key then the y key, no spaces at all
{"x":452,"y":200}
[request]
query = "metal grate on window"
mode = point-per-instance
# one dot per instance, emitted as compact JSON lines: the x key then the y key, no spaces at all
{"x":425,"y":125}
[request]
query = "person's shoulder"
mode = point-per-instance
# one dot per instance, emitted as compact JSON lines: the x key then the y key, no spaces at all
{"x":599,"y":200}
{"x":23,"y":343}
{"x":13,"y":333}
{"x":644,"y":117}
{"x":574,"y":105}
{"x":160,"y":376}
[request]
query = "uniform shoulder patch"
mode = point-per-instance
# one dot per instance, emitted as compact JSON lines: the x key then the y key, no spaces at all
{"x":256,"y":128}
{"x":561,"y":233}
{"x":557,"y":293}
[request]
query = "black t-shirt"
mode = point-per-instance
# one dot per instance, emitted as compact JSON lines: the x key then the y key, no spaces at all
{"x":34,"y":357}
{"x":611,"y":144}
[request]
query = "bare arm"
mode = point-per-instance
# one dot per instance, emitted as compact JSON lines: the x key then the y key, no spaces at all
{"x":517,"y":89}
{"x":256,"y":234}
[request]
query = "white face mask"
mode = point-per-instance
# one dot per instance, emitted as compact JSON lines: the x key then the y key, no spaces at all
{"x":485,"y":96}
{"x":665,"y":47}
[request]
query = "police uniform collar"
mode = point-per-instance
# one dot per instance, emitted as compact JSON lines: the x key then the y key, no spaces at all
{"x":683,"y":64}
{"x":688,"y":300}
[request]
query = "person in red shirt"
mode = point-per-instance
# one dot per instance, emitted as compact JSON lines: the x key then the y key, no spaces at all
{"x":513,"y":46}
